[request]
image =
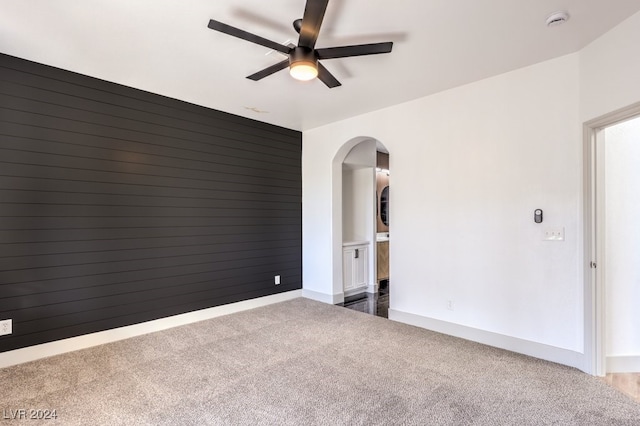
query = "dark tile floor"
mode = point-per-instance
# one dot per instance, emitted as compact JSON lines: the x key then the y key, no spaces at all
{"x":370,"y":303}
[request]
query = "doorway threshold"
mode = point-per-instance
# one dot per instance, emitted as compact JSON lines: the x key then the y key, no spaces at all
{"x":370,"y":303}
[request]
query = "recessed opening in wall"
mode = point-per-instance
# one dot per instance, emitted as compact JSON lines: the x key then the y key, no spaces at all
{"x":365,"y":228}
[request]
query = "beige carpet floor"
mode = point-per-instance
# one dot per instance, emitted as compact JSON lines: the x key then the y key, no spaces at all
{"x":306,"y":363}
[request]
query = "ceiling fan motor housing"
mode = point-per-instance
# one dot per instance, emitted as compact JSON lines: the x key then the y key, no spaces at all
{"x":304,"y":55}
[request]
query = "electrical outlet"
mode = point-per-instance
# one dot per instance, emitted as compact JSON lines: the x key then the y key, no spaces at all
{"x":450,"y":305}
{"x":276,"y":280}
{"x":5,"y":327}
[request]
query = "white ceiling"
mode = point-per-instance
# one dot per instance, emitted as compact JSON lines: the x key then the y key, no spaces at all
{"x":165,"y":47}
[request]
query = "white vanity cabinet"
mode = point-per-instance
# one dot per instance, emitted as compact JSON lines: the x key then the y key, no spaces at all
{"x":355,"y":267}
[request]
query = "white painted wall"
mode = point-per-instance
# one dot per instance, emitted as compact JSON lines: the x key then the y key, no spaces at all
{"x":357,"y":204}
{"x":348,"y":215}
{"x":358,"y":189}
{"x":470,"y":166}
{"x":610,"y":70}
{"x":622,"y":245}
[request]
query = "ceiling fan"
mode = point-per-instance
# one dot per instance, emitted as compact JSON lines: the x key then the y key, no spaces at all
{"x":303,"y":59}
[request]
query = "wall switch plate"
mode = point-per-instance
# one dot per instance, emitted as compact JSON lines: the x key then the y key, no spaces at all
{"x":276,"y":279}
{"x":6,"y":327}
{"x":553,"y":234}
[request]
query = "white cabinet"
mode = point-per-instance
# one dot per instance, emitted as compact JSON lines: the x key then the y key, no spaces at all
{"x":355,"y":267}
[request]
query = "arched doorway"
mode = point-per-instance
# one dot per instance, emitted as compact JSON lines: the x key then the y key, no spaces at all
{"x":360,"y":224}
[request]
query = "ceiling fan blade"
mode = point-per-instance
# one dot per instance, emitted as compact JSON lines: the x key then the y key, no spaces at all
{"x":236,"y":32}
{"x":311,"y":21}
{"x":357,"y":50}
{"x":269,"y":70}
{"x":326,"y":77}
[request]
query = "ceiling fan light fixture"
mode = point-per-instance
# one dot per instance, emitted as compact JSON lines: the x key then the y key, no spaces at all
{"x":303,"y":70}
{"x":303,"y":64}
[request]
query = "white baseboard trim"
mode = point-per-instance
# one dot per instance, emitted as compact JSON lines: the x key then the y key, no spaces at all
{"x":331,"y":299}
{"x":513,"y":344}
{"x":623,"y":364}
{"x":58,"y":347}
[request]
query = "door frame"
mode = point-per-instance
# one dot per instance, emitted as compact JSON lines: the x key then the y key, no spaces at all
{"x":594,"y":233}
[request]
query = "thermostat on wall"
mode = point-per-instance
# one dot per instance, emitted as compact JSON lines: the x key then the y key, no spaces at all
{"x":537,"y":216}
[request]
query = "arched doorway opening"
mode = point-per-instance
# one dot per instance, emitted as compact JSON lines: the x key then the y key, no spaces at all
{"x":361,"y":226}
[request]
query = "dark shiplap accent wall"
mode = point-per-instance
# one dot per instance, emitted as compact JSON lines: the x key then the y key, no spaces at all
{"x":119,"y":206}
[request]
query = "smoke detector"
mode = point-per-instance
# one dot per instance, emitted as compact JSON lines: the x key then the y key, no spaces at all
{"x":557,"y":18}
